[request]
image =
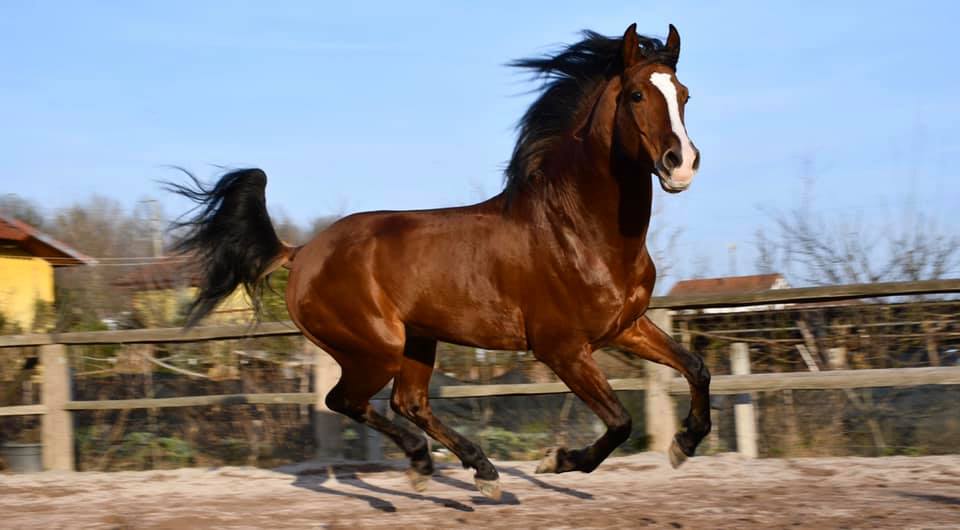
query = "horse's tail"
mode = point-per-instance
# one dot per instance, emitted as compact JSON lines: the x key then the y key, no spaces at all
{"x":232,"y":237}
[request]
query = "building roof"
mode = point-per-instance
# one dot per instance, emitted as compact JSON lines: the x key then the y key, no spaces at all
{"x":728,"y":285}
{"x":38,"y":244}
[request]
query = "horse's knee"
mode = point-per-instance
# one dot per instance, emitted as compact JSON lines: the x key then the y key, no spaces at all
{"x":335,"y":401}
{"x":338,"y":402}
{"x":399,"y":405}
{"x":409,"y":407}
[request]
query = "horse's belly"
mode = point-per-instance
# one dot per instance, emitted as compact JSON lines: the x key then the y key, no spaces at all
{"x":494,"y":328}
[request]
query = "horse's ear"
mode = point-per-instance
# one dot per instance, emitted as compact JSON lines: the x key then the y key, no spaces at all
{"x":631,"y":45}
{"x":673,"y":43}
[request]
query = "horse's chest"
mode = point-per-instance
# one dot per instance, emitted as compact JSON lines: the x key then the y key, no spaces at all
{"x":606,"y":304}
{"x":621,"y":302}
{"x":600,"y":292}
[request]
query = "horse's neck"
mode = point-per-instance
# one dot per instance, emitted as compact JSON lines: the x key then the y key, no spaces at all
{"x":606,"y":205}
{"x":617,"y":192}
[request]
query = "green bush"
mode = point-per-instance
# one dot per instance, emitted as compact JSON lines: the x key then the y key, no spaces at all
{"x":144,"y":450}
{"x":501,"y":443}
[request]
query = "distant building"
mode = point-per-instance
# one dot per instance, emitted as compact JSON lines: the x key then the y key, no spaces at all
{"x":732,"y":285}
{"x":161,"y":291}
{"x":27,"y":260}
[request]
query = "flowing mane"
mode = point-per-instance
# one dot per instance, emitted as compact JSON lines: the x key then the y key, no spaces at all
{"x":569,"y":76}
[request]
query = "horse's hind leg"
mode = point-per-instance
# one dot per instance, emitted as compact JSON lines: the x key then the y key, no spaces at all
{"x":410,"y":399}
{"x":646,"y":340}
{"x":580,"y":372}
{"x":351,"y":397}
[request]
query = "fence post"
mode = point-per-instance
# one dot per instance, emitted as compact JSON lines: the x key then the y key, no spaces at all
{"x":57,"y":423}
{"x":743,"y":413}
{"x":327,"y":425}
{"x":660,"y":412}
{"x":837,"y":358}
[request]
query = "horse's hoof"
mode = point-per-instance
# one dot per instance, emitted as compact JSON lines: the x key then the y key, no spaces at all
{"x":677,"y":456}
{"x":549,"y":462}
{"x":418,"y":481}
{"x":489,"y":488}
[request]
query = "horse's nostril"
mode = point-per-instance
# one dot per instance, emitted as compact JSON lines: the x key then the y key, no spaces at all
{"x":671,"y":159}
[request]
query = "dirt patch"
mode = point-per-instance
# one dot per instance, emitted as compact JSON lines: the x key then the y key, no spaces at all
{"x":812,"y":471}
{"x":637,"y":491}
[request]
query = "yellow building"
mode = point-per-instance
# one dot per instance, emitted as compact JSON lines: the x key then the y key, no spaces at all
{"x":160,"y":292}
{"x":27,"y":260}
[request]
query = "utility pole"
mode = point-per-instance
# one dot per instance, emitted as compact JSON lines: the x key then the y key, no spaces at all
{"x":732,"y":248}
{"x":149,"y":389}
{"x":157,"y":230}
{"x":156,"y":224}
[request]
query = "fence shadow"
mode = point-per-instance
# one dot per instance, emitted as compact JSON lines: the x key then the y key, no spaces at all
{"x":514,"y":472}
{"x":318,"y":480}
{"x":941,"y":499}
{"x":314,"y":481}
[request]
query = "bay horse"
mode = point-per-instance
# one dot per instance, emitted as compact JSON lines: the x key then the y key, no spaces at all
{"x":556,"y":263}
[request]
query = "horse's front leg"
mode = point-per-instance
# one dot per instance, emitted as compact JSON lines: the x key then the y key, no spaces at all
{"x":579,"y":371}
{"x":646,"y":340}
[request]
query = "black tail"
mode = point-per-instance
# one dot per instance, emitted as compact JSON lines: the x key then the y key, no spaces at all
{"x":232,"y":237}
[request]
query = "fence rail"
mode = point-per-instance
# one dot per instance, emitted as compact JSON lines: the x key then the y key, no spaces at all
{"x":287,"y":328}
{"x":153,"y":336}
{"x":23,"y":410}
{"x":723,"y":384}
{"x":57,"y":407}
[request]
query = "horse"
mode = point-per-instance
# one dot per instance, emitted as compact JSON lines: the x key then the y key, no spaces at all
{"x":556,"y":263}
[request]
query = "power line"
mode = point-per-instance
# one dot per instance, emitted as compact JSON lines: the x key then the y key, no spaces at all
{"x":127,"y":261}
{"x":159,"y":259}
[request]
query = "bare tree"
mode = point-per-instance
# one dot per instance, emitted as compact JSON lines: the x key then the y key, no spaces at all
{"x":21,"y":209}
{"x":289,"y":231}
{"x":321,"y":223}
{"x":662,"y":241}
{"x":99,"y":227}
{"x":821,"y":250}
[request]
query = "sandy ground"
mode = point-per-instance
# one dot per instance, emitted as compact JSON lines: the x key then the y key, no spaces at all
{"x":628,"y":492}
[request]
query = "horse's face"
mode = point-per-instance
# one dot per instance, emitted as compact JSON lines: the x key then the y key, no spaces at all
{"x":649,"y":117}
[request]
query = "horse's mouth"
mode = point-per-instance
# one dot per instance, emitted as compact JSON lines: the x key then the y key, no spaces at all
{"x":668,"y":184}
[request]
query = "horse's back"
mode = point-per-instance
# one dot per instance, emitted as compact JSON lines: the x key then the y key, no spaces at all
{"x":449,"y":274}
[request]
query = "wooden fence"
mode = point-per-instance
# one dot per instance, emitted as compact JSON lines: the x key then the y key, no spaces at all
{"x":659,"y":384}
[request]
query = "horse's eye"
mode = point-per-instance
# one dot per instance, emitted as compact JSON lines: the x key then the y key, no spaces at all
{"x":636,"y":96}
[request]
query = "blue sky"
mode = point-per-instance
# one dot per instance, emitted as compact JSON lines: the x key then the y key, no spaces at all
{"x":408,"y":105}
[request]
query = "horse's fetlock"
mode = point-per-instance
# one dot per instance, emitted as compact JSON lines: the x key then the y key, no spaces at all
{"x":620,"y":431}
{"x":701,"y":374}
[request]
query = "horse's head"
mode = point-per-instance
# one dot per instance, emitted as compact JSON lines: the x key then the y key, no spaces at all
{"x":618,"y":97}
{"x":648,"y":121}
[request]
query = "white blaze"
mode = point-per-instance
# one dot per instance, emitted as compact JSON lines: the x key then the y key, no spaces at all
{"x":683,"y":174}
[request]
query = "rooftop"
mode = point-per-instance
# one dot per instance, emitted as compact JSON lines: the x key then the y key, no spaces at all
{"x":36,"y":243}
{"x":729,"y":285}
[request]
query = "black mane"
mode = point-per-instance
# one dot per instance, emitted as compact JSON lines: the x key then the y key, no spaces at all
{"x":568,"y":77}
